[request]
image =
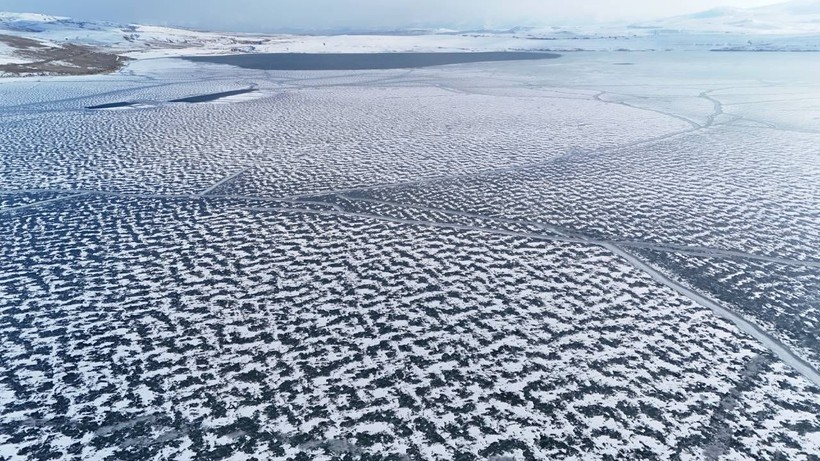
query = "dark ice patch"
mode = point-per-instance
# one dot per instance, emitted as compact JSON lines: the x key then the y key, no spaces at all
{"x":112,"y":105}
{"x":213,"y":96}
{"x":363,"y":61}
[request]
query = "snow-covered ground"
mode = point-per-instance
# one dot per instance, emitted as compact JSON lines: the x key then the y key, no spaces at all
{"x":7,"y":55}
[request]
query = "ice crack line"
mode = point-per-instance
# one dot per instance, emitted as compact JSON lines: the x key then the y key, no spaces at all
{"x":223,"y":182}
{"x":718,"y":107}
{"x":564,"y":235}
{"x":706,"y":252}
{"x":713,"y":253}
{"x":663,"y":247}
{"x":769,"y":341}
{"x":41,"y":202}
{"x":599,"y":97}
{"x":492,"y":172}
{"x":751,"y":329}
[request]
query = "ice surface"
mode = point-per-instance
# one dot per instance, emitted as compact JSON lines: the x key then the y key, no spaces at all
{"x":421,"y":264}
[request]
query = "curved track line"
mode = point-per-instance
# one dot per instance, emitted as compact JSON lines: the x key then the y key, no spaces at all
{"x":770,"y":342}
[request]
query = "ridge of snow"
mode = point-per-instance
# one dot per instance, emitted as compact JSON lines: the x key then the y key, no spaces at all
{"x":6,"y":16}
{"x":798,"y":17}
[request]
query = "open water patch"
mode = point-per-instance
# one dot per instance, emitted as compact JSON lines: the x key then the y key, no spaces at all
{"x":363,"y":61}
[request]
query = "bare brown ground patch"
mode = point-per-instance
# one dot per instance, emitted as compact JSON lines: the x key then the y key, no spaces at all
{"x":20,"y":42}
{"x":61,"y":60}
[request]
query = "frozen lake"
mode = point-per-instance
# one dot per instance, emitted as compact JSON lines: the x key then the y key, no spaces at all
{"x":565,"y":258}
{"x":364,"y":61}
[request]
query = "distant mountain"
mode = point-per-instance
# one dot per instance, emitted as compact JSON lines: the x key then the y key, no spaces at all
{"x":106,"y":34}
{"x":798,"y":17}
{"x":37,"y":44}
{"x":26,"y":22}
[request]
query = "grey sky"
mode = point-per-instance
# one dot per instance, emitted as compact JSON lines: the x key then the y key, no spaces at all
{"x":271,"y":15}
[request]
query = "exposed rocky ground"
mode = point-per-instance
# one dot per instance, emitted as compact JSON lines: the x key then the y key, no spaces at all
{"x":68,"y":59}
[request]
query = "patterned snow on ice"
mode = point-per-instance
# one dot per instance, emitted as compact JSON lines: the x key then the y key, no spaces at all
{"x":409,"y":265}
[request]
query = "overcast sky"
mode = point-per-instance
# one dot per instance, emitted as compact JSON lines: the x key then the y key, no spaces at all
{"x":272,"y":15}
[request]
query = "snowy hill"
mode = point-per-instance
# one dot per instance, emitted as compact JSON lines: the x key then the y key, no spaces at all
{"x":36,"y":44}
{"x":120,"y":37}
{"x":796,"y":17}
{"x":31,"y":44}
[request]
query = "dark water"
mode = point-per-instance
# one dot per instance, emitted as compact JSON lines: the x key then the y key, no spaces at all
{"x":213,"y":96}
{"x":112,"y":105}
{"x":191,"y":99}
{"x":362,"y":61}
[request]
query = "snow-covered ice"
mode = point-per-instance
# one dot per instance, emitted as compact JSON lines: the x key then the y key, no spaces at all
{"x":412,"y":264}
